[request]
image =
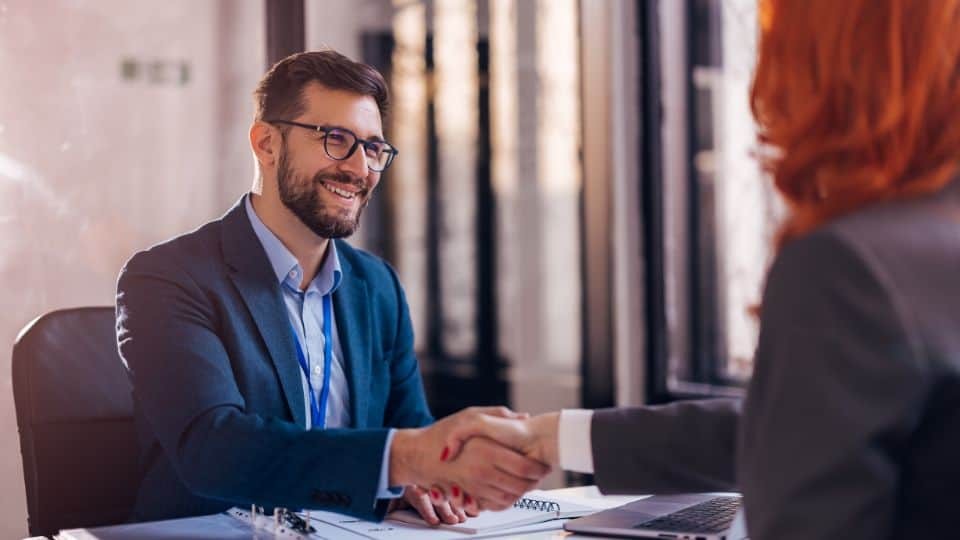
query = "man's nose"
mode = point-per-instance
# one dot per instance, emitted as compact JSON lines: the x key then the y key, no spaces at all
{"x":356,"y":164}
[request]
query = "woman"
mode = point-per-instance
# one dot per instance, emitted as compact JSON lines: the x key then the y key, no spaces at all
{"x":851,"y":427}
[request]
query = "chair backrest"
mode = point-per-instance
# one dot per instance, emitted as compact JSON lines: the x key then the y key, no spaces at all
{"x":75,"y":415}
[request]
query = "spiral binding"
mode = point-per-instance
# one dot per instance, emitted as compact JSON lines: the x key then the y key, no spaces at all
{"x":538,"y":505}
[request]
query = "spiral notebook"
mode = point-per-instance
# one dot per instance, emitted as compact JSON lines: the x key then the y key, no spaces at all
{"x":526,"y":511}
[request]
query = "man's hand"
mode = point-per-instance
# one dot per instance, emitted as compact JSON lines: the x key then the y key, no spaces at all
{"x":432,"y":508}
{"x":493,"y":475}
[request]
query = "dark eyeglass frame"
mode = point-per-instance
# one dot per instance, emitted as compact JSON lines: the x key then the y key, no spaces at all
{"x":357,"y":141}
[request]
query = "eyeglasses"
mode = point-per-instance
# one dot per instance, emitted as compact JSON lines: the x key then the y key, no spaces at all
{"x":340,"y":143}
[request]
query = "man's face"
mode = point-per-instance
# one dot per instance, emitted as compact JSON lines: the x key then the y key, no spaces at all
{"x":328,"y":195}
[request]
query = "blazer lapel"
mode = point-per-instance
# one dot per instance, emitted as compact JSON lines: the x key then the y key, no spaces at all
{"x":254,"y":278}
{"x":352,"y":312}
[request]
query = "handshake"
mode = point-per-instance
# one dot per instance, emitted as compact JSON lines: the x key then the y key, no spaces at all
{"x":481,"y":458}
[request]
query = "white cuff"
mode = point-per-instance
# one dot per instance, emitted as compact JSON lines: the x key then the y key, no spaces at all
{"x":383,"y":490}
{"x":575,"y":450}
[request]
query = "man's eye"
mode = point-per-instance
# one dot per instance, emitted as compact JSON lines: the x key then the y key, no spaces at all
{"x":373,"y":149}
{"x":336,"y":137}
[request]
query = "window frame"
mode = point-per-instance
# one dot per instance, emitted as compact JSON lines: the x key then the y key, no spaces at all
{"x":683,"y":322}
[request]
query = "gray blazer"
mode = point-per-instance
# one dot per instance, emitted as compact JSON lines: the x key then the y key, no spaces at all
{"x":851,"y":427}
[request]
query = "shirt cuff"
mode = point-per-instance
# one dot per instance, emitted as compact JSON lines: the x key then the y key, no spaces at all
{"x":383,"y":490}
{"x":573,"y":439}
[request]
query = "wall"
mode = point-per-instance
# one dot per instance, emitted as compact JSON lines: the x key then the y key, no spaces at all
{"x":120,"y":126}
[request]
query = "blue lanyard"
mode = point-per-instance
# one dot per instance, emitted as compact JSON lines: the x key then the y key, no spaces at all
{"x":318,"y":412}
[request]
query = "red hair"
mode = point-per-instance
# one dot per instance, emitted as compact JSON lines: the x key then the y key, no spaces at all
{"x":857,"y":102}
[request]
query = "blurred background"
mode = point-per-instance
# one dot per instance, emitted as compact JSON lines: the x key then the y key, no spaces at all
{"x":575,"y":212}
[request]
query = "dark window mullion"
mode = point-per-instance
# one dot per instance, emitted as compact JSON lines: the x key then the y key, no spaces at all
{"x":285,"y":30}
{"x":652,"y":200}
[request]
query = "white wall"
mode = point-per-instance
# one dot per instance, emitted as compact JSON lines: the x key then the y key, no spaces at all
{"x":339,"y":24}
{"x":94,"y":166}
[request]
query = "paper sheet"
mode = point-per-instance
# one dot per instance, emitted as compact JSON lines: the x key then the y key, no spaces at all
{"x":402,"y":531}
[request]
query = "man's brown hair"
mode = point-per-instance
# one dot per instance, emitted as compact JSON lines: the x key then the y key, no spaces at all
{"x":279,"y":94}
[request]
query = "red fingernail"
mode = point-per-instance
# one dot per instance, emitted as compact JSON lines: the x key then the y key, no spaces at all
{"x":434,"y":494}
{"x":445,"y":454}
{"x":456,"y":491}
{"x":467,"y":499}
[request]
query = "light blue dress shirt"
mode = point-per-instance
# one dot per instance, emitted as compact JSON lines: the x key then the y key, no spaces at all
{"x":305,"y":310}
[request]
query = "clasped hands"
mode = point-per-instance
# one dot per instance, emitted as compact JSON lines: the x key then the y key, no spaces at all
{"x":481,"y":458}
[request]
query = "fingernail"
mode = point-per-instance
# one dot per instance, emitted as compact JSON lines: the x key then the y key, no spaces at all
{"x":445,"y":454}
{"x":456,"y":491}
{"x":467,"y":499}
{"x":434,"y":494}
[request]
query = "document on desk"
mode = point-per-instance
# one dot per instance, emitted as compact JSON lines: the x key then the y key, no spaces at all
{"x":395,"y":530}
{"x":535,"y":512}
{"x":542,"y":513}
{"x":533,"y":508}
{"x":330,"y":527}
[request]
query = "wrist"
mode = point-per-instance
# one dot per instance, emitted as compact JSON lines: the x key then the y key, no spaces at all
{"x":402,"y":454}
{"x":545,"y":427}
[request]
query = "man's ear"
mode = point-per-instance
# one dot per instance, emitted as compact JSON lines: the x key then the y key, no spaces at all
{"x":265,"y":142}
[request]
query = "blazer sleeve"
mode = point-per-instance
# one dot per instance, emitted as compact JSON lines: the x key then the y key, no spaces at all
{"x":836,"y":392}
{"x":682,"y":447}
{"x":185,"y":389}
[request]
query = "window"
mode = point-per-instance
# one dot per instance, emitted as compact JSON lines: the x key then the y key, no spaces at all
{"x":719,"y":211}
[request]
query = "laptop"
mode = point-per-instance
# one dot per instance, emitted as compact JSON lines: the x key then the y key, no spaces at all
{"x":692,"y":516}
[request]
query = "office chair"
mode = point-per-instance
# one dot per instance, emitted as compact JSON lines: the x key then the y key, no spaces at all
{"x":75,"y":415}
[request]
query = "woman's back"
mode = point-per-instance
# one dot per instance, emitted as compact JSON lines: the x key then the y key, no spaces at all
{"x":852,"y":424}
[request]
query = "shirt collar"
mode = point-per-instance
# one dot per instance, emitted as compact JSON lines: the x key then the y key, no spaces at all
{"x":285,"y":265}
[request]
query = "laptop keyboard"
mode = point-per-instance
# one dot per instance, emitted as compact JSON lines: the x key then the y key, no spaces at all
{"x":710,"y":516}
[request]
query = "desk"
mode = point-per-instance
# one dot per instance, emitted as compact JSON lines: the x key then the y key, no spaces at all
{"x":181,"y":528}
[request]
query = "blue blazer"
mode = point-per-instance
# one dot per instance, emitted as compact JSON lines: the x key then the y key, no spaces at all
{"x":203,"y":331}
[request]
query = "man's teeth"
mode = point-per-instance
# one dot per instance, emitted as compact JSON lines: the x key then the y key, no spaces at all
{"x":341,"y":192}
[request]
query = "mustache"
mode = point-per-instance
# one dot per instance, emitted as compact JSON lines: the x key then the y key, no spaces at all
{"x":343,"y":178}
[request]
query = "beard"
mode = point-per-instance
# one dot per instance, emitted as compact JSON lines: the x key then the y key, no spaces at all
{"x":302,"y":197}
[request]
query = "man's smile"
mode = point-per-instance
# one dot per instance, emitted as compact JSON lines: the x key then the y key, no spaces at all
{"x":345,"y":191}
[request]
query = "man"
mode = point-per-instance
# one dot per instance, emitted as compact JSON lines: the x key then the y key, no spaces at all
{"x":272,"y":363}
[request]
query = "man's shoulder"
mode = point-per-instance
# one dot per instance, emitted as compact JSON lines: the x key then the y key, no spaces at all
{"x":365,"y":265}
{"x":190,"y":251}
